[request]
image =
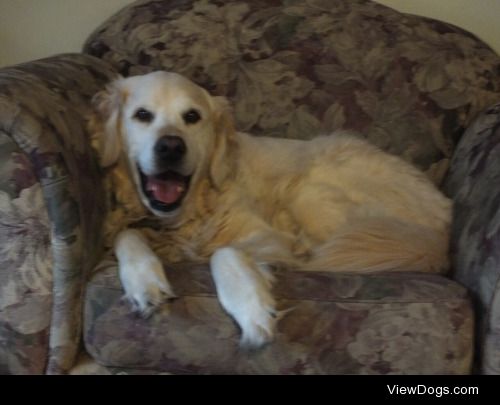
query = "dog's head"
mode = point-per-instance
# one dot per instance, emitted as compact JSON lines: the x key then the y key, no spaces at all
{"x":171,"y":132}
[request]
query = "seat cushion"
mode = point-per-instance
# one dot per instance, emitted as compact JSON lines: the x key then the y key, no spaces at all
{"x":399,"y":323}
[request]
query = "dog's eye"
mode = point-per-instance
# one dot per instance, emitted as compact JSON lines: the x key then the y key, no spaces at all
{"x":191,"y":117}
{"x":144,"y":115}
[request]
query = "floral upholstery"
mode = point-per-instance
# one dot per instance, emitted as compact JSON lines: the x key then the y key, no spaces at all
{"x":473,"y":183}
{"x":292,"y":68}
{"x":297,"y":68}
{"x":25,"y":294}
{"x":337,"y":324}
{"x":50,"y":209}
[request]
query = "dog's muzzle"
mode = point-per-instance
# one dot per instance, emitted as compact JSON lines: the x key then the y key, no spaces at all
{"x":166,"y":189}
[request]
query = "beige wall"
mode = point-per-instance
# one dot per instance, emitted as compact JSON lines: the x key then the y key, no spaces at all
{"x":481,"y":17}
{"x":31,"y":29}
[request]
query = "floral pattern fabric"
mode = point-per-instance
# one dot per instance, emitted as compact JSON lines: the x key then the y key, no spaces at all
{"x":335,"y":324}
{"x":473,"y":184}
{"x":298,"y":68}
{"x":25,"y":265}
{"x":50,"y":209}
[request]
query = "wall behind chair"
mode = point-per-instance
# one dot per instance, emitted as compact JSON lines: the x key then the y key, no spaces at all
{"x":481,"y":17}
{"x":32,"y":29}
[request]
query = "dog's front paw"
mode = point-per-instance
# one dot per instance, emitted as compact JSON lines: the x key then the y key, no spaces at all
{"x":146,"y":286}
{"x":244,"y":291}
{"x":258,"y":330}
{"x":257,"y":319}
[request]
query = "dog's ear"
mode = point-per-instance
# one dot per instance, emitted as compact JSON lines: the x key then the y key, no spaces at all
{"x":223,"y":158}
{"x":105,"y":124}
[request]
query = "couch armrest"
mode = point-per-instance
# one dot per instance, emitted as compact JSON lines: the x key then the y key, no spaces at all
{"x":51,"y":208}
{"x":474,"y":184}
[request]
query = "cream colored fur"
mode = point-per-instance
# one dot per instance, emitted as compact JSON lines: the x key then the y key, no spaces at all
{"x":335,"y":203}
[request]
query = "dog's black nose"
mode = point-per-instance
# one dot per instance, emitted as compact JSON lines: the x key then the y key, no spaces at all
{"x":170,"y":148}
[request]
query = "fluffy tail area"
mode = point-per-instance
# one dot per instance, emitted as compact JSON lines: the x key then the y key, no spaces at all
{"x":382,"y":245}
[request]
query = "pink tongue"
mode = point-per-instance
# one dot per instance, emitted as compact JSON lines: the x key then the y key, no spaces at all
{"x":166,"y":191}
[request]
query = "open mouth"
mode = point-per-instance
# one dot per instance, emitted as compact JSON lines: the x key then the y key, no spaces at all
{"x":165,"y":191}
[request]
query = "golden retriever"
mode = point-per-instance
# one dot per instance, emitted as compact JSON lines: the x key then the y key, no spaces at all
{"x":244,"y":203}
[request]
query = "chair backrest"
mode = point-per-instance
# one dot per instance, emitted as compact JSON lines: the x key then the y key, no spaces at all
{"x":299,"y":68}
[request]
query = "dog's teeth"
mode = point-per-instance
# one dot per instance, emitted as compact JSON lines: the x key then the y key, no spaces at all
{"x":179,"y":189}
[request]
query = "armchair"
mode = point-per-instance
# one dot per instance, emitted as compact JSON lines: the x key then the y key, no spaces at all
{"x":416,"y":87}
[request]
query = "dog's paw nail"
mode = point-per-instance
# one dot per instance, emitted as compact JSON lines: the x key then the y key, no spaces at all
{"x":250,"y":346}
{"x":143,"y":307}
{"x":134,"y":304}
{"x":152,"y":303}
{"x":256,"y":338}
{"x":168,"y":295}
